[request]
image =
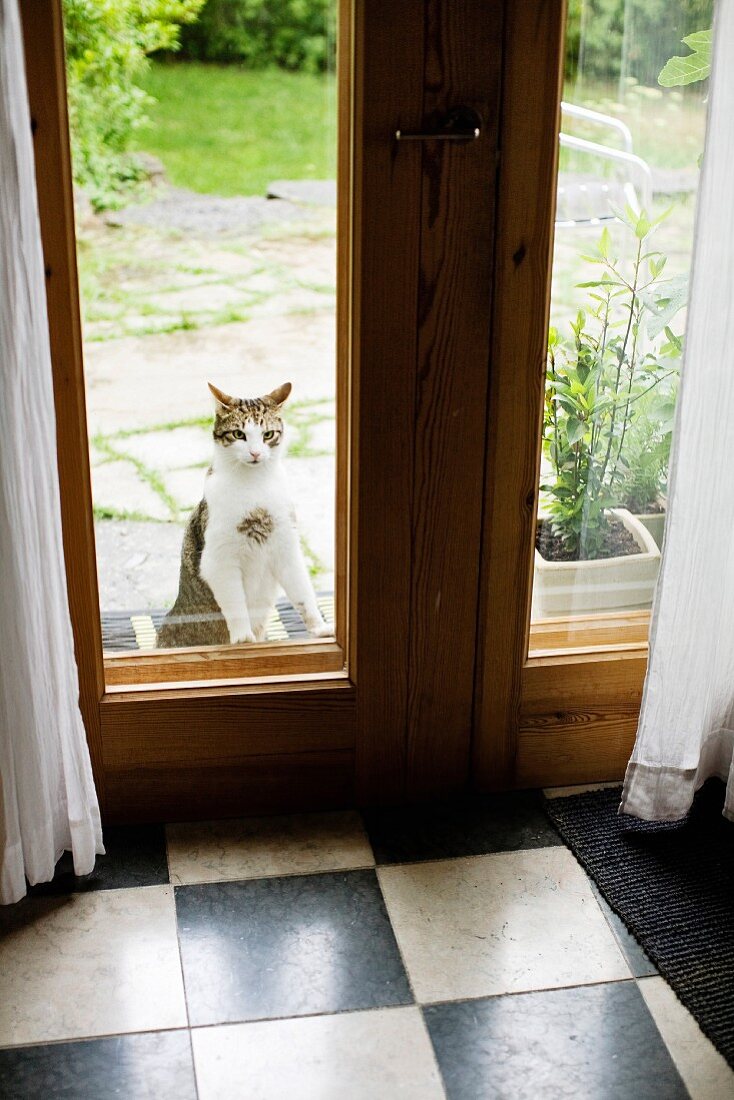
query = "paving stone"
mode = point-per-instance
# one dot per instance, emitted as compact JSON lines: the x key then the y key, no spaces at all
{"x":311,"y":261}
{"x":299,"y":301}
{"x":322,"y":435}
{"x":206,"y":298}
{"x":118,"y":486}
{"x":125,"y":582}
{"x":186,"y":486}
{"x":139,"y":381}
{"x":312,"y":483}
{"x":172,"y":449}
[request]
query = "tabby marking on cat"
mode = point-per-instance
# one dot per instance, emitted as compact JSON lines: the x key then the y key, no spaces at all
{"x":258,"y":525}
{"x":241,"y":543}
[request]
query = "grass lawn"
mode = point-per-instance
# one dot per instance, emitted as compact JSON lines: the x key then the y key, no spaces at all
{"x":224,"y":130}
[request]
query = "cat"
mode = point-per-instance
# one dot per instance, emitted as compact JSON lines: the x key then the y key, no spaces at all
{"x":241,"y":543}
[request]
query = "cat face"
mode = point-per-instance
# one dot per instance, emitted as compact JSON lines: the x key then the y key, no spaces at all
{"x":250,"y":428}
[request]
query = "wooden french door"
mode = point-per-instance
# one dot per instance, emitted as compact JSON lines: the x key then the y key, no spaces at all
{"x":443,"y":276}
{"x":557,"y":701}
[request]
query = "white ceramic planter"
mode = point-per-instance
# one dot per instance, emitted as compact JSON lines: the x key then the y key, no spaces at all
{"x":609,"y":584}
{"x":655,"y":523}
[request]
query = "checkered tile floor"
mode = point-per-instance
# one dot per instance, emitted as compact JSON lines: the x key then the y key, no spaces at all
{"x":454,"y":952}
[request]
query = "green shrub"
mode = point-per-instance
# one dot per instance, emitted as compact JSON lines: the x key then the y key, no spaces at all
{"x":609,"y":399}
{"x":107,"y":46}
{"x":609,"y":39}
{"x":294,"y":34}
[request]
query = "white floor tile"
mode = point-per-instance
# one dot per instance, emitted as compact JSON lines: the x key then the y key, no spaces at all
{"x":91,"y":964}
{"x":502,"y":923}
{"x":705,"y":1073}
{"x":381,"y":1055}
{"x":261,"y":847}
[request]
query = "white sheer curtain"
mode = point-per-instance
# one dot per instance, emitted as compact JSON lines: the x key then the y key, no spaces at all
{"x":686,"y":731}
{"x":47,"y":797}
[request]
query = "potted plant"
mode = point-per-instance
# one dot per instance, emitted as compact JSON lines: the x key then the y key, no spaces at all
{"x":609,"y":395}
{"x":644,"y":486}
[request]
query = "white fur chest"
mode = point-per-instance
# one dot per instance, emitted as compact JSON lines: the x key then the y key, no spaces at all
{"x":247,"y":510}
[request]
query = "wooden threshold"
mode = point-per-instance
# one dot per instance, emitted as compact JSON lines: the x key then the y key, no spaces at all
{"x":589,"y":633}
{"x":268,"y":660}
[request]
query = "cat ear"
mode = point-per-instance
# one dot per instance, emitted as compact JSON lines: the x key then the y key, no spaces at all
{"x":279,"y":395}
{"x":222,"y":401}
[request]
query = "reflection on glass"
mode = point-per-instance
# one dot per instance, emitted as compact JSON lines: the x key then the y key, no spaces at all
{"x":204,"y":169}
{"x":632,"y":136}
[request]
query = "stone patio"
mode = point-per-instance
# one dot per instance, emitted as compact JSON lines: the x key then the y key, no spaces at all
{"x":226,"y":295}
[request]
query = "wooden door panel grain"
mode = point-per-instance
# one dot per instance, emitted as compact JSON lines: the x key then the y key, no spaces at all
{"x":387,"y":186}
{"x":463,"y":67}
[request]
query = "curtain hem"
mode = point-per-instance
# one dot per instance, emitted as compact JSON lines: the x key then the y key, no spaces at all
{"x":653,"y":792}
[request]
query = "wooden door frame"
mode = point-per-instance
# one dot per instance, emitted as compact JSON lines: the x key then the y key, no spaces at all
{"x":278,"y":742}
{"x":426,"y":334}
{"x":568,"y":712}
{"x":387,"y":724}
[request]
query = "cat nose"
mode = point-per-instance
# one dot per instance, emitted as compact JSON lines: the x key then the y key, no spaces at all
{"x":256,"y":455}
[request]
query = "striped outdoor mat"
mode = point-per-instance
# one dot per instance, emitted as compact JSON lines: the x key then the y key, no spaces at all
{"x":127,"y":630}
{"x":674,"y":889}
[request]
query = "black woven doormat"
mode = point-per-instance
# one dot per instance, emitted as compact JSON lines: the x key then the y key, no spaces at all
{"x":673,"y":886}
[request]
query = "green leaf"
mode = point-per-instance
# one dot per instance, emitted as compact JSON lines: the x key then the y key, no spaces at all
{"x":656,"y":266}
{"x":642,"y":226}
{"x":699,"y":40}
{"x":574,"y":430}
{"x":664,"y":303}
{"x":631,"y":214}
{"x":695,"y":66}
{"x":605,"y":242}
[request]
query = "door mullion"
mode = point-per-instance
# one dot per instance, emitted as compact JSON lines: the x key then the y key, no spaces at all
{"x":463,"y":67}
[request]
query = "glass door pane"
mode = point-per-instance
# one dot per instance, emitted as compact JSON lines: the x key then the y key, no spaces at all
{"x":631,"y":142}
{"x":205,"y":167}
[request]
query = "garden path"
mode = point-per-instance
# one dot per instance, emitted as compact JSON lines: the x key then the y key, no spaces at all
{"x":234,"y":298}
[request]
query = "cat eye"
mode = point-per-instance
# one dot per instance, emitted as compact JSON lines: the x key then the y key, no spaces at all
{"x":238,"y":434}
{"x":268,"y":435}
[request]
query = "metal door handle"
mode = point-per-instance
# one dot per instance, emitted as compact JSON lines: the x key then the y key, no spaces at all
{"x":460,"y":124}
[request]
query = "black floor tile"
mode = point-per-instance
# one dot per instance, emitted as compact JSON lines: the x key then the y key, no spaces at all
{"x":591,"y":1041}
{"x":470,"y":826}
{"x":637,"y":959}
{"x":135,"y":855}
{"x":287,"y":947}
{"x":154,"y":1066}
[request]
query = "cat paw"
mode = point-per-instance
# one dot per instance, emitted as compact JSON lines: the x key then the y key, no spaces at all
{"x":241,"y":636}
{"x":322,"y":630}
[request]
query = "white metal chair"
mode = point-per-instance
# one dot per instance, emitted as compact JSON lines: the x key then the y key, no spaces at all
{"x":590,"y":200}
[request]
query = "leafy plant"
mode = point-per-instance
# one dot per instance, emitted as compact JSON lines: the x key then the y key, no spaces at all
{"x":292,"y":34}
{"x":606,"y":39}
{"x":647,"y":452}
{"x":107,"y":46}
{"x":694,"y":66}
{"x":603,"y":385}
